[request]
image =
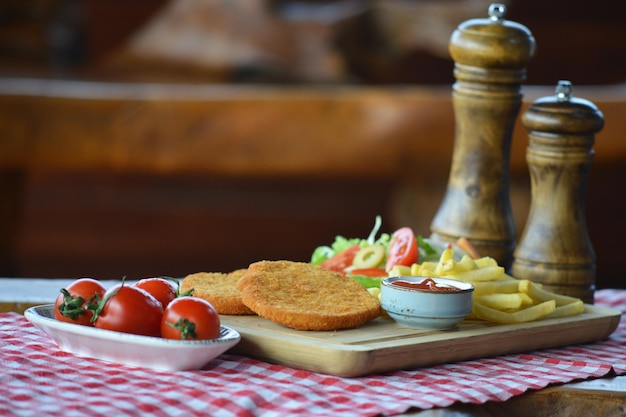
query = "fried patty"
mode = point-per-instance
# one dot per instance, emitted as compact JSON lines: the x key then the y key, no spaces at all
{"x":306,"y":297}
{"x":219,"y":289}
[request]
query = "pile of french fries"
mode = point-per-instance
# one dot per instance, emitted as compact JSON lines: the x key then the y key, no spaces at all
{"x":498,"y":297}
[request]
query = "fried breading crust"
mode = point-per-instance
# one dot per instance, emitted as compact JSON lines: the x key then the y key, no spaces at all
{"x":306,"y":297}
{"x":219,"y":289}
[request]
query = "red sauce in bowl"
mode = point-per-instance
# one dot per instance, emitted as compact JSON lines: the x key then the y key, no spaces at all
{"x":427,"y":284}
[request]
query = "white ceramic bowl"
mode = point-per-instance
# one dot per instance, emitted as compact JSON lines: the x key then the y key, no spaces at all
{"x":427,"y":309}
{"x":131,"y":349}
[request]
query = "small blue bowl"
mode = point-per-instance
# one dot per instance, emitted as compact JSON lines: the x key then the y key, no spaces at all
{"x":423,"y":308}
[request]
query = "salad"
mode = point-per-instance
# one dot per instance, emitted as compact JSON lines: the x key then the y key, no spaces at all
{"x":369,"y":260}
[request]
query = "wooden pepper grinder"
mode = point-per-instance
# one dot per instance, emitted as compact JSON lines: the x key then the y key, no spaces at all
{"x":555,"y":248}
{"x":490,"y":57}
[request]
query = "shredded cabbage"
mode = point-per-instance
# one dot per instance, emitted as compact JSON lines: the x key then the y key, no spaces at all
{"x":341,"y":243}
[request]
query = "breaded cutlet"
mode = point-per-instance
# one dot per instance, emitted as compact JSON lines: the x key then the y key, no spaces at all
{"x":305,"y":296}
{"x":219,"y":289}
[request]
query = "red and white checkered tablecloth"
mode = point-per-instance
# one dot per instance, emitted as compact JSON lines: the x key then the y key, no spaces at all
{"x":38,"y":379}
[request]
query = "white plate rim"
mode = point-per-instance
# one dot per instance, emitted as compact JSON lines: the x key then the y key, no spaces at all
{"x":43,"y":318}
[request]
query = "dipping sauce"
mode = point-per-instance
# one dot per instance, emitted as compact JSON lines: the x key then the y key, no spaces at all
{"x":427,"y":284}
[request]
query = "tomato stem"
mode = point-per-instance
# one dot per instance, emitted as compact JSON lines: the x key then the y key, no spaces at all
{"x":97,"y":307}
{"x":177,"y":282}
{"x":71,"y":307}
{"x":187,"y":328}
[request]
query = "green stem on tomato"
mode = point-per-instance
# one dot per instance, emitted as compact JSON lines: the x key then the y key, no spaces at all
{"x":187,"y":328}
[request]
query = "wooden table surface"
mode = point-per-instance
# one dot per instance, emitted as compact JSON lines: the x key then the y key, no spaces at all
{"x":599,"y":397}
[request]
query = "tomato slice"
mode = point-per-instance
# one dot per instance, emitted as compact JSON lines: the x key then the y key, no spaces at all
{"x":402,"y":249}
{"x":342,"y":260}
{"x":369,"y":272}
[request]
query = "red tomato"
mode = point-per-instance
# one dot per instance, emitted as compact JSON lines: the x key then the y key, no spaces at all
{"x":72,"y":305}
{"x":162,"y":289}
{"x":342,"y":260}
{"x":129,"y":309}
{"x":190,"y":318}
{"x":402,"y":249}
{"x":369,"y":272}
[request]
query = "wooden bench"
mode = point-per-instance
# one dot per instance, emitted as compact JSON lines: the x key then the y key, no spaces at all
{"x":388,"y":149}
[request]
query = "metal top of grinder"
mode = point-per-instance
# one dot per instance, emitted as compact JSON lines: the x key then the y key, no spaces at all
{"x":492,"y":42}
{"x":563,"y":113}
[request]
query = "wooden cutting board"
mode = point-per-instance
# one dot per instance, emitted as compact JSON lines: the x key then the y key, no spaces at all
{"x":382,"y":345}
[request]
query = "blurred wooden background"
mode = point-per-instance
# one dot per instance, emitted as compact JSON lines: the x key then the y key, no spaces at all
{"x":112,"y":224}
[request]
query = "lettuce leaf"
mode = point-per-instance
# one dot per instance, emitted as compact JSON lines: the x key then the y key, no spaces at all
{"x":367,"y":282}
{"x":425,"y":245}
{"x":341,"y":243}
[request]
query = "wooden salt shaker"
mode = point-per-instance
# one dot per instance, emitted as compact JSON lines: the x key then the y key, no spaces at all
{"x":490,"y":57}
{"x":555,"y":248}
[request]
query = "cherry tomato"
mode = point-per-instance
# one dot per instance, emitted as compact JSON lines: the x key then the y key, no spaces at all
{"x":72,"y":304}
{"x":129,"y":309}
{"x":342,"y":260}
{"x":190,"y":318}
{"x":369,"y":272}
{"x":162,"y":289}
{"x":402,"y":248}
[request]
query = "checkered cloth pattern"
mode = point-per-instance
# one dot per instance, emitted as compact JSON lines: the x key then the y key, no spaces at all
{"x":38,"y":379}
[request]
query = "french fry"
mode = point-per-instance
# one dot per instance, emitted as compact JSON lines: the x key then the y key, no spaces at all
{"x":508,"y":286}
{"x":519,"y":316}
{"x":489,"y":273}
{"x":500,"y":301}
{"x":425,"y":269}
{"x":498,"y":297}
{"x":399,"y":271}
{"x":538,"y":293}
{"x":485,"y":261}
{"x":374,"y":292}
{"x":526,"y":299}
{"x":466,"y":264}
{"x":447,"y":264}
{"x":571,"y":309}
